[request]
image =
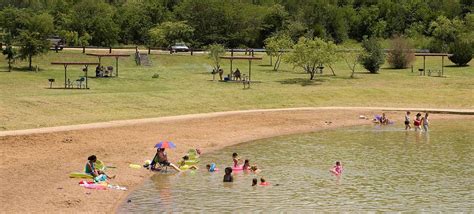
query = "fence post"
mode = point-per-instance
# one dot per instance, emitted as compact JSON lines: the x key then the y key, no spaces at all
{"x":149,"y":50}
{"x":191,"y":51}
{"x":83,"y":49}
{"x":110,"y":49}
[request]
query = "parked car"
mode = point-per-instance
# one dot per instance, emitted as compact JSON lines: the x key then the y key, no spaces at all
{"x":56,"y":43}
{"x":179,"y":47}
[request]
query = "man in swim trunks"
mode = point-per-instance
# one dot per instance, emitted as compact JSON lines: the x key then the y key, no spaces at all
{"x":162,"y":159}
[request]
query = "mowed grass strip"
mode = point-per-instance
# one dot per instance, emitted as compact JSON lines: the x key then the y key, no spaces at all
{"x":185,"y":86}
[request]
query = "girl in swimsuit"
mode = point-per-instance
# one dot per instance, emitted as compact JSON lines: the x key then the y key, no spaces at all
{"x":337,"y":169}
{"x":246,"y":165}
{"x":417,"y":122}
{"x":235,"y":159}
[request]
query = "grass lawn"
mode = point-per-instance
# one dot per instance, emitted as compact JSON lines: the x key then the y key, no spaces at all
{"x":185,"y":86}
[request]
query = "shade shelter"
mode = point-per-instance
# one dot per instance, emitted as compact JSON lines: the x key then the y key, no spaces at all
{"x":66,"y":64}
{"x":117,"y":56}
{"x":249,"y":58}
{"x":442,"y":55}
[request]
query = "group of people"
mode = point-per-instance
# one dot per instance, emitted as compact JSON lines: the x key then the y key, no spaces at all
{"x":246,"y":167}
{"x":236,"y":75}
{"x":418,"y":122}
{"x":101,"y":71}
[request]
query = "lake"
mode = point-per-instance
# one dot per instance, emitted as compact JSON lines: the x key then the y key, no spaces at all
{"x":385,"y":169}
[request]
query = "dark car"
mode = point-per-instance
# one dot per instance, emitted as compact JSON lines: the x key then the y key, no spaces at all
{"x":56,"y":43}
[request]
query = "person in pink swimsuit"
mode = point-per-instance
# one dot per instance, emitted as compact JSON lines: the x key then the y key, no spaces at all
{"x":337,"y":169}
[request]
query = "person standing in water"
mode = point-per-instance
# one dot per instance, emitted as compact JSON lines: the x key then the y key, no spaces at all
{"x":417,"y":122}
{"x":407,"y":121}
{"x":337,"y":169}
{"x":228,"y":175}
{"x":425,"y":122}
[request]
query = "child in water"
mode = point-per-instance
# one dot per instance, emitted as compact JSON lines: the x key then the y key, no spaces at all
{"x":337,"y":169}
{"x":425,"y":122}
{"x":211,"y":167}
{"x":407,"y":121}
{"x":235,"y":159}
{"x":263,"y":182}
{"x":255,"y":169}
{"x":182,"y":164}
{"x":228,"y":175}
{"x":246,"y":165}
{"x":254,"y":182}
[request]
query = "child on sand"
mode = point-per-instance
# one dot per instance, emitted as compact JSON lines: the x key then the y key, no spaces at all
{"x":407,"y":121}
{"x":235,"y":159}
{"x":337,"y":169}
{"x":254,"y":182}
{"x":228,"y":175}
{"x":91,"y":170}
{"x":417,"y":122}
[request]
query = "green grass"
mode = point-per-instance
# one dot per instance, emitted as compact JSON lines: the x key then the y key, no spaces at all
{"x":185,"y":87}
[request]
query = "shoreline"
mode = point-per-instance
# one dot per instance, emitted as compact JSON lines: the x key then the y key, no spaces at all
{"x":32,"y":159}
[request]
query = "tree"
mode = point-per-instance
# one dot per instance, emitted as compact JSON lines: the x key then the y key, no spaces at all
{"x":273,"y":21}
{"x":401,"y":53}
{"x":167,"y":33}
{"x":276,"y":46}
{"x":33,"y":40}
{"x":10,"y":55}
{"x":215,"y":53}
{"x":372,"y":57}
{"x":352,"y":59}
{"x":462,"y":52}
{"x":309,"y":54}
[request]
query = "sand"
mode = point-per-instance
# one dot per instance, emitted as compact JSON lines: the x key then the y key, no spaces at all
{"x":35,"y":164}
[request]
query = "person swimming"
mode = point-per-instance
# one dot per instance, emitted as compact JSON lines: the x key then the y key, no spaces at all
{"x":263,"y":182}
{"x":211,"y":167}
{"x":228,"y":175}
{"x":337,"y":169}
{"x":254,"y":182}
{"x":255,"y":169}
{"x":182,"y":164}
{"x":235,"y":159}
{"x":246,"y":165}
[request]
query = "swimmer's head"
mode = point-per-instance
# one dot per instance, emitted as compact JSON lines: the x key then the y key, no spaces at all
{"x":235,"y":155}
{"x":338,"y":163}
{"x":185,"y":157}
{"x":208,"y":166}
{"x":253,"y":168}
{"x":408,"y":112}
{"x":246,"y":162}
{"x":254,"y":182}
{"x":262,"y":180}
{"x":228,"y":170}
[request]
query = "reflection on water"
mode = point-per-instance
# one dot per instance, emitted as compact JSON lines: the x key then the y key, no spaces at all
{"x":385,"y":169}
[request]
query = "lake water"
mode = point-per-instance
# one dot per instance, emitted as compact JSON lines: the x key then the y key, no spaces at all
{"x":385,"y":169}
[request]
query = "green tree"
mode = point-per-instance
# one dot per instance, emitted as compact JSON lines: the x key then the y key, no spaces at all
{"x":95,"y":18}
{"x":33,"y":40}
{"x":372,"y":57}
{"x":401,"y":53}
{"x":309,"y":54}
{"x":10,"y":54}
{"x":215,"y":53}
{"x":276,"y":46}
{"x":167,"y":33}
{"x":273,"y":22}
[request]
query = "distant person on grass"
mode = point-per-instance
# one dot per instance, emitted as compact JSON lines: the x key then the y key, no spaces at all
{"x":237,"y":75}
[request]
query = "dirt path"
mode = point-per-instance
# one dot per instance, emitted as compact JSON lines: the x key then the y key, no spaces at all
{"x":35,"y":163}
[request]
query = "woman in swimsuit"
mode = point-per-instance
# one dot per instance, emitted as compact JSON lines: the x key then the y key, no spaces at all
{"x":407,"y":121}
{"x":417,"y":122}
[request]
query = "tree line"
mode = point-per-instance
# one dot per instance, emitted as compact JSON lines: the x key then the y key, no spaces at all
{"x":435,"y":24}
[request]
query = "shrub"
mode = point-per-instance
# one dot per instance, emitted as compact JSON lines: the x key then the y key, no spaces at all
{"x":372,"y":57}
{"x":401,"y":54}
{"x":462,"y":52}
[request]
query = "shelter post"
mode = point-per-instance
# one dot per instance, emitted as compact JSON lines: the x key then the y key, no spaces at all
{"x":86,"y":75}
{"x":250,"y":70}
{"x":116,"y":65}
{"x":65,"y":75}
{"x":424,"y":65}
{"x":442,"y":66}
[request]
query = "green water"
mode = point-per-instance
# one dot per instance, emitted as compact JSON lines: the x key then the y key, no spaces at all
{"x":385,"y":169}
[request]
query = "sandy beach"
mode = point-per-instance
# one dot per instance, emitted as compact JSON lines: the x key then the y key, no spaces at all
{"x":35,"y":164}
